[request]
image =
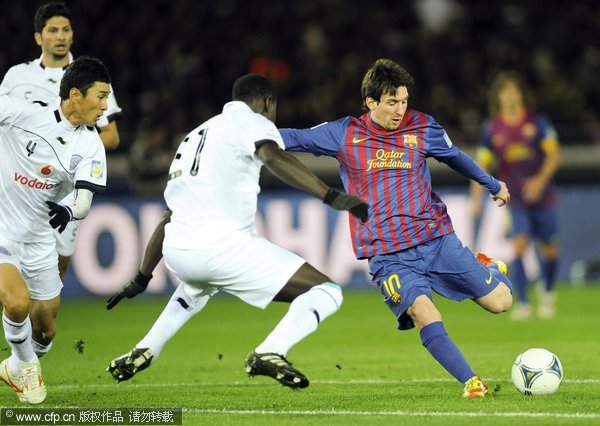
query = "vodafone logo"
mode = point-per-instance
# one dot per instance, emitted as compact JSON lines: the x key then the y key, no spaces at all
{"x":46,"y":170}
{"x":34,"y":183}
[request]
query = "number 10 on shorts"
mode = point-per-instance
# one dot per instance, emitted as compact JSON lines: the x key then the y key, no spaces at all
{"x":392,"y":287}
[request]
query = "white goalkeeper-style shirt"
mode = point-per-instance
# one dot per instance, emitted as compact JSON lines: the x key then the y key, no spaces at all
{"x":32,"y":81}
{"x":214,"y":179}
{"x":43,"y":157}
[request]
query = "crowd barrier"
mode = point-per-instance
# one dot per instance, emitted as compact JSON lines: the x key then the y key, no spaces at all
{"x":112,"y":238}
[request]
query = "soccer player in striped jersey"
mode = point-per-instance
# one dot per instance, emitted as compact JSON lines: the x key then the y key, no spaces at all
{"x":525,"y":148}
{"x":45,"y":153}
{"x":409,"y":240}
{"x":211,"y":243}
{"x":39,"y":81}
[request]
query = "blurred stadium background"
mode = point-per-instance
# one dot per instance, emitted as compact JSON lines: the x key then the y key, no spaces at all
{"x":173,"y":63}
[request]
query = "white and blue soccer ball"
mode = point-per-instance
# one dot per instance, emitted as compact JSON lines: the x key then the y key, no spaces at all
{"x":537,"y":371}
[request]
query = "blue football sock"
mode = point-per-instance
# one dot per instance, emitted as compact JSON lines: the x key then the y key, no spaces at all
{"x":442,"y":348}
{"x":519,"y":279}
{"x":549,"y":273}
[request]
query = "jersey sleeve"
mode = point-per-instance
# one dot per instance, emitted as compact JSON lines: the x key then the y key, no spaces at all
{"x":485,"y":135}
{"x":259,"y":129}
{"x":8,"y":82}
{"x":440,"y":147}
{"x":324,"y":139}
{"x":91,"y":170}
{"x":7,"y":110}
{"x":546,"y":129}
{"x":438,"y":144}
{"x":548,"y":136}
{"x":484,"y":154}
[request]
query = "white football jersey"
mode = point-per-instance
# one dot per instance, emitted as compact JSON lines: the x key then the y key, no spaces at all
{"x":32,"y":81}
{"x":213,"y":180}
{"x":42,"y":157}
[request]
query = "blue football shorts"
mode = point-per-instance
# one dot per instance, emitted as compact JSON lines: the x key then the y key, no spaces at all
{"x":443,"y":265}
{"x":540,"y":223}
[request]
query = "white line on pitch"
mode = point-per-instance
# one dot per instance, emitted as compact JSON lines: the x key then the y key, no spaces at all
{"x":260,"y":383}
{"x":393,"y":413}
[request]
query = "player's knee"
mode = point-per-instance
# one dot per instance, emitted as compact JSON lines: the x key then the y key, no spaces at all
{"x":500,"y":306}
{"x":502,"y":300}
{"x":63,"y":265}
{"x":549,"y":252}
{"x":16,"y":306}
{"x":520,"y":244}
{"x":423,"y":312}
{"x":334,"y":291}
{"x":43,"y":333}
{"x":329,"y":299}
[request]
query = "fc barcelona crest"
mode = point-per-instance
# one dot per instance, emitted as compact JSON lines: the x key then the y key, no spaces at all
{"x":410,"y":141}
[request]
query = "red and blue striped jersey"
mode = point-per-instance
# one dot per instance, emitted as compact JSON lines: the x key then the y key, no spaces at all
{"x":388,"y":169}
{"x":518,"y":149}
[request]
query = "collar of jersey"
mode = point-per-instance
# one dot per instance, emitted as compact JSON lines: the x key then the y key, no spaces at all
{"x":236,"y":105}
{"x":61,"y":118}
{"x":39,"y":61}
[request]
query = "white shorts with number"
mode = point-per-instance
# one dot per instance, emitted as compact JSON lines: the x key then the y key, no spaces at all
{"x":38,"y":264}
{"x":65,"y":242}
{"x":246,"y":266}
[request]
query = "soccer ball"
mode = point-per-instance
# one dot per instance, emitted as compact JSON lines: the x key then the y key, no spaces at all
{"x":537,"y":371}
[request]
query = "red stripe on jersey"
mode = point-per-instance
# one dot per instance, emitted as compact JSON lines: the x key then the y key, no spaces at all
{"x":383,"y":201}
{"x":352,"y":155}
{"x":402,"y":219}
{"x":406,"y":212}
{"x":442,"y":217}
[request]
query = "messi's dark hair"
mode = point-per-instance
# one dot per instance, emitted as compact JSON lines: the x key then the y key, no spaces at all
{"x":385,"y":76}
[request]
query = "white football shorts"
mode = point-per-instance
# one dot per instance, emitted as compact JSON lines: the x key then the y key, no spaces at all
{"x":247,"y":266}
{"x":65,"y":242}
{"x":38,"y":264}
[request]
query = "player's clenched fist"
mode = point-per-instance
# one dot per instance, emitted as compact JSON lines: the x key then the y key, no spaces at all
{"x":129,"y":290}
{"x":341,"y":201}
{"x":59,"y":216}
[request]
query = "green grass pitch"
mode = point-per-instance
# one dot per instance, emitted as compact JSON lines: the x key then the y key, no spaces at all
{"x":362,"y":370}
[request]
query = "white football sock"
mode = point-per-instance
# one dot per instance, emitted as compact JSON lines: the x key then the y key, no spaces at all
{"x":303,"y":317}
{"x":40,"y":349}
{"x":185,"y":302}
{"x":18,"y":337}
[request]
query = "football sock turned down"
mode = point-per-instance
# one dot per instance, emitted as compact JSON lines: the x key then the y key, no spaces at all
{"x":443,"y":349}
{"x":519,"y":279}
{"x":303,"y":317}
{"x":40,"y":349}
{"x":179,"y":310}
{"x":18,"y":337}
